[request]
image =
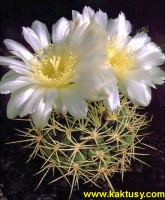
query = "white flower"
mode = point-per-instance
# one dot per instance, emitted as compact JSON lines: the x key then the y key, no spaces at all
{"x":59,"y":76}
{"x":134,"y":60}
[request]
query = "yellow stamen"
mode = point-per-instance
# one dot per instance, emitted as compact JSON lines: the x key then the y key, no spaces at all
{"x":54,"y":67}
{"x":120,"y":58}
{"x":55,"y":62}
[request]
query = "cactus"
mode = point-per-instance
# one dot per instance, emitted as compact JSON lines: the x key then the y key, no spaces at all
{"x":92,"y":148}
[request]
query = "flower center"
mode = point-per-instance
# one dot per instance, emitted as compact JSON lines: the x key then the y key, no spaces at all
{"x":120,"y":58}
{"x":54,"y":66}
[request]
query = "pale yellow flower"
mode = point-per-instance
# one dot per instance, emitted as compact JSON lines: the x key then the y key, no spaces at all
{"x":133,"y":60}
{"x":61,"y":75}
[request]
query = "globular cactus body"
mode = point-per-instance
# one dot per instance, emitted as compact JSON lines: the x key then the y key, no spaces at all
{"x":92,"y":148}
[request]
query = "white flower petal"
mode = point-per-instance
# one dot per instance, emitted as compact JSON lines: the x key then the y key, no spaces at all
{"x":139,"y":93}
{"x":86,"y":16}
{"x":119,"y":27}
{"x":77,"y":31}
{"x":59,"y":107}
{"x":112,"y":27}
{"x":74,"y":103}
{"x":148,"y":49}
{"x":110,"y":79}
{"x":13,"y":83}
{"x":87,"y":44}
{"x":124,"y":26}
{"x":10,"y":61}
{"x":41,"y":116}
{"x":89,"y":15}
{"x":76,"y":16}
{"x":102,"y":19}
{"x":149,"y":56}
{"x":88,"y":12}
{"x":42,"y":32}
{"x":31,"y":37}
{"x":89,"y":87}
{"x":91,"y":64}
{"x":140,"y":75}
{"x":139,"y":40}
{"x":50,"y":95}
{"x":60,"y":30}
{"x":8,"y":74}
{"x":28,"y":65}
{"x":113,"y":101}
{"x":33,"y":103}
{"x":17,"y":47}
{"x":20,"y":70}
{"x":157,"y":75}
{"x":17,"y":100}
{"x":151,"y":60}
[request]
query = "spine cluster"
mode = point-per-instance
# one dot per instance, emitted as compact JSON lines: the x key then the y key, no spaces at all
{"x":92,"y":148}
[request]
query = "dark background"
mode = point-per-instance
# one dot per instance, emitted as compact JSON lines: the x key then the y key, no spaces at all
{"x":17,"y":180}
